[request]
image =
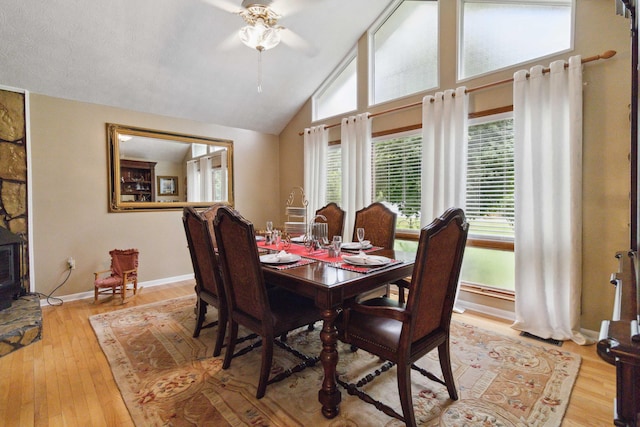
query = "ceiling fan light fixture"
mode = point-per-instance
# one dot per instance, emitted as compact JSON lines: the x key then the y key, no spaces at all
{"x":260,"y":36}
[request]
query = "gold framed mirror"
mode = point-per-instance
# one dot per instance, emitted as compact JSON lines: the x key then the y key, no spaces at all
{"x":152,"y":169}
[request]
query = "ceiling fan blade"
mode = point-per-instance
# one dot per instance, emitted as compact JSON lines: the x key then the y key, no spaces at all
{"x":224,"y":5}
{"x":291,"y":7}
{"x":293,"y":40}
{"x":232,"y":41}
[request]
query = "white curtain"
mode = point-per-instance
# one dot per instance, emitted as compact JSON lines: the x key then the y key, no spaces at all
{"x":316,"y":142}
{"x":356,"y":168}
{"x":206,"y":183}
{"x":548,"y":185}
{"x":193,"y":182}
{"x":444,"y":152}
{"x":224,"y":176}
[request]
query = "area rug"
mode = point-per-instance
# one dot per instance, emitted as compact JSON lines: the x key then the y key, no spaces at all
{"x":168,"y":378}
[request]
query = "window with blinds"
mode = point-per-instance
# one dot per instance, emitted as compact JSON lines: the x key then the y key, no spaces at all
{"x":396,"y":166}
{"x":334,"y":174}
{"x":490,"y":178}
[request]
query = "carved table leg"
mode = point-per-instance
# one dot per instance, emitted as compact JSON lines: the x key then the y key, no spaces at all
{"x":329,"y":396}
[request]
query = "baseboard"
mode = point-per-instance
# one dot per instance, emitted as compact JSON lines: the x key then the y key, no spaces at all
{"x":483,"y":309}
{"x":148,"y":284}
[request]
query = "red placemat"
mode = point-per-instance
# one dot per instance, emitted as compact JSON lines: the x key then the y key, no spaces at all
{"x":346,"y":266}
{"x":300,"y":263}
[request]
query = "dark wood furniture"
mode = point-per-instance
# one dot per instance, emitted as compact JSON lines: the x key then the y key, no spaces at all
{"x":270,"y":313}
{"x":401,"y":334}
{"x":209,"y":289}
{"x":335,"y":219}
{"x":330,"y":287}
{"x":379,"y":224}
{"x":620,"y":344}
{"x":138,"y":181}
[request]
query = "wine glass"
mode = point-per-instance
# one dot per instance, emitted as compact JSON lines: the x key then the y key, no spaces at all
{"x":336,"y":245}
{"x":360,"y":235}
{"x":269,"y":231}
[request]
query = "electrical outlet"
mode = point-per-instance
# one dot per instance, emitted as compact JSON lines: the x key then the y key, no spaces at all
{"x":71,"y":263}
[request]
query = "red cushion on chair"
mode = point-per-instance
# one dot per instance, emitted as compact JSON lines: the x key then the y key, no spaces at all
{"x":108,"y":282}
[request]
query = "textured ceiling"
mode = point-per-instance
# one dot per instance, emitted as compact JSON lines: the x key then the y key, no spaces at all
{"x":178,"y":58}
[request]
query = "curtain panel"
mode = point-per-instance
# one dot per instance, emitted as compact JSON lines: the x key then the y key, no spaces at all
{"x":356,"y":167}
{"x":444,"y":152}
{"x":548,"y":207}
{"x":316,"y":143}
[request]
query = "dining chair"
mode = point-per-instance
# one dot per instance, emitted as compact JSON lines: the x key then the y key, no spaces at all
{"x":379,"y":223}
{"x":122,"y":273}
{"x":335,"y":219}
{"x":403,"y":333}
{"x":267,"y":313}
{"x":209,"y":215}
{"x":209,"y":289}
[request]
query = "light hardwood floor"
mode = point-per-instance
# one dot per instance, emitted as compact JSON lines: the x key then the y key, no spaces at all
{"x":65,"y":380}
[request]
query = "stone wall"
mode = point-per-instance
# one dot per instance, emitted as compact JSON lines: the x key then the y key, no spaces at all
{"x":13,"y":169}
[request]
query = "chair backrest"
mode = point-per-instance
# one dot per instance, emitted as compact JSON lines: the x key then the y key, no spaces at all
{"x":435,"y":275}
{"x":123,"y":260}
{"x":242,"y":274}
{"x":335,"y":219}
{"x":203,"y":257}
{"x":209,"y":215}
{"x":379,"y":223}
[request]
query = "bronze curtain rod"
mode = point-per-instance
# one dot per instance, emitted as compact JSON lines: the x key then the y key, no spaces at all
{"x":606,"y":55}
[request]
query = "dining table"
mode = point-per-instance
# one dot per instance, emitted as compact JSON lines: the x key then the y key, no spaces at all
{"x":329,"y":281}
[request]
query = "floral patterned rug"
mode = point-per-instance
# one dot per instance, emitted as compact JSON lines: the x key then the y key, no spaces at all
{"x":168,"y":378}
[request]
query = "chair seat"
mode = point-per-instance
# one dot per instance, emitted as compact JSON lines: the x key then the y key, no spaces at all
{"x":290,"y":310}
{"x":108,"y":282}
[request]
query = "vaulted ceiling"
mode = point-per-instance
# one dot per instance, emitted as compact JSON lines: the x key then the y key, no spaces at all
{"x":178,"y":58}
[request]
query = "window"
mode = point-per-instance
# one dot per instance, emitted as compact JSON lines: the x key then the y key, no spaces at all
{"x":490,"y":178}
{"x":334,"y":174}
{"x":340,"y":94}
{"x":396,"y":169}
{"x":495,"y":34}
{"x":405,"y":51}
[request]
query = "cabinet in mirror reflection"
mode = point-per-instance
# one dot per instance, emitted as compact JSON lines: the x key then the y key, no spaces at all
{"x":199,"y":170}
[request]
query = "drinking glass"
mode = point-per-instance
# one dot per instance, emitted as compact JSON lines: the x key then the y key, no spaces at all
{"x":337,"y":243}
{"x":360,"y":235}
{"x":276,"y":239}
{"x":269,"y":240}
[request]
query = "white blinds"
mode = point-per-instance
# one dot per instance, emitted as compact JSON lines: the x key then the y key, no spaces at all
{"x":396,"y":176}
{"x":490,"y":179}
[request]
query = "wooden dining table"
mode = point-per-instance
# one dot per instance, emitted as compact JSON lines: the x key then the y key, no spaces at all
{"x":329,"y":286}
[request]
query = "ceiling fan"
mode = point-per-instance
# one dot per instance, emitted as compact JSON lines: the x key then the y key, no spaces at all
{"x":262,"y":31}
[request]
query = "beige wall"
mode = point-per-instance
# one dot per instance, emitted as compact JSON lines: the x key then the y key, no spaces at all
{"x":69,"y":192}
{"x":606,"y":137}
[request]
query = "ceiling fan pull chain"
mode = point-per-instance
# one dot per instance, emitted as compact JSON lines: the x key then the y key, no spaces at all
{"x":260,"y":71}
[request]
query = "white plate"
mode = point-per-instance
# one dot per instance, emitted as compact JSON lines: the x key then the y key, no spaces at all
{"x":299,"y":239}
{"x":366,"y":260}
{"x":354,"y":246}
{"x":275,"y":259}
{"x":259,"y":238}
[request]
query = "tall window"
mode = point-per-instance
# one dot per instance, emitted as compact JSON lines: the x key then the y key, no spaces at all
{"x":490,"y":178}
{"x":495,"y":34}
{"x":396,"y":166}
{"x":405,"y":51}
{"x":339,"y":94}
{"x":334,"y":174}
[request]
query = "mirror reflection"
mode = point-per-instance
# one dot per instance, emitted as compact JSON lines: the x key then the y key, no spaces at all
{"x":160,"y":170}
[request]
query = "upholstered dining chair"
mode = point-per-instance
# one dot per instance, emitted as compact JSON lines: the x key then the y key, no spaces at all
{"x":269,"y":314}
{"x":379,"y":223}
{"x":209,"y":215}
{"x":335,"y":219}
{"x":209,"y":289}
{"x":401,"y":334}
{"x":123,"y":272}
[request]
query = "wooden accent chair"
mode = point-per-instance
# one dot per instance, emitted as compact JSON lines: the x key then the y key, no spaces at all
{"x":402,"y":334}
{"x":123,"y":272}
{"x":335,"y":219}
{"x":209,"y":215}
{"x":379,"y":223}
{"x":209,"y":289}
{"x":269,"y":314}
